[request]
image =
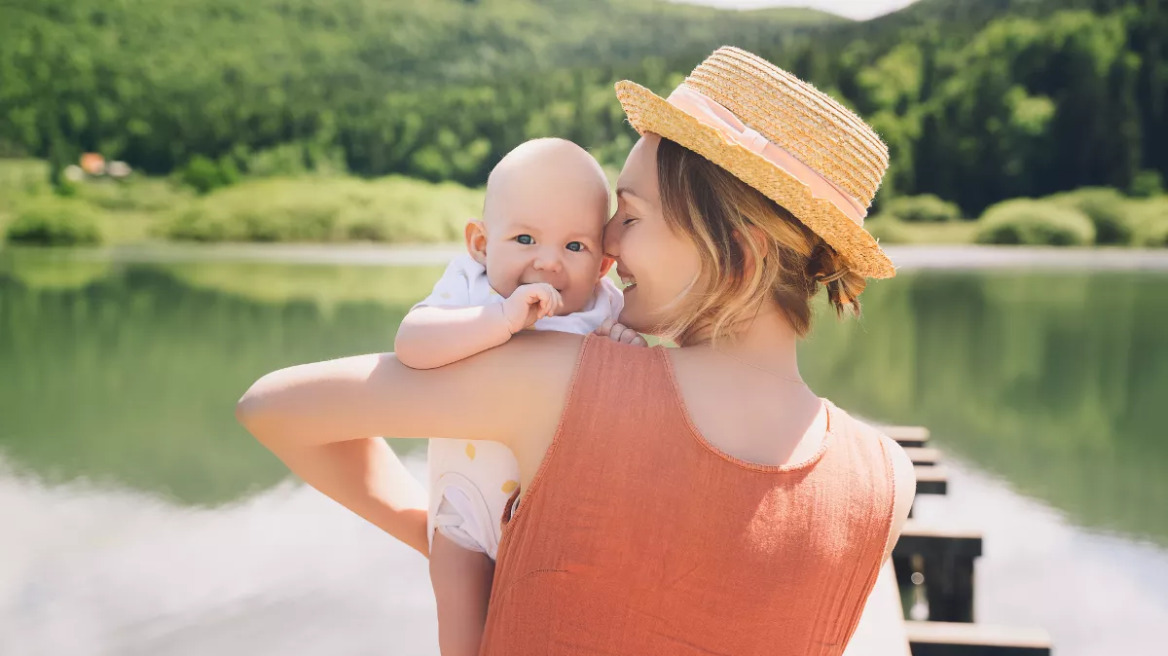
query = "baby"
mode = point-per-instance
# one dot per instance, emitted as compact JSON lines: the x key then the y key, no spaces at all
{"x":536,"y":261}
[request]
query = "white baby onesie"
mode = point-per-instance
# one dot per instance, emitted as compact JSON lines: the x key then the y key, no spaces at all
{"x":471,"y":480}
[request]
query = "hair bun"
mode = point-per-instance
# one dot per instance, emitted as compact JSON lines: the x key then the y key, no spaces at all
{"x":828,"y":268}
{"x":824,"y":278}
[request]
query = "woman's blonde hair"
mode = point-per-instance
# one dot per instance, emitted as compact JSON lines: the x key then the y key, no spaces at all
{"x":751,"y":249}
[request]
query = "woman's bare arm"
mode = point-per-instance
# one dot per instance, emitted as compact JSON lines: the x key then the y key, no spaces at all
{"x":366,"y":477}
{"x":323,"y":419}
{"x":904,"y":492}
{"x":513,"y":390}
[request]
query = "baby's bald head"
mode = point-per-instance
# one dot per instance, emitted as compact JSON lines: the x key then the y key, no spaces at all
{"x":543,"y":221}
{"x":551,"y":172}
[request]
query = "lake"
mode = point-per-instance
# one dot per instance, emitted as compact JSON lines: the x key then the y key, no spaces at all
{"x":139,"y":518}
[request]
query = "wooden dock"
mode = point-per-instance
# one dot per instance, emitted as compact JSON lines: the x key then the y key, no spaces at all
{"x":935,"y":566}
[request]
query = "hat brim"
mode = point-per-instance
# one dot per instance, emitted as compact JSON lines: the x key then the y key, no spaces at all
{"x":648,"y":112}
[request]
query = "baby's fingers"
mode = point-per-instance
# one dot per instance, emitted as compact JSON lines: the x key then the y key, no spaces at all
{"x":618,"y":333}
{"x":605,"y":328}
{"x":557,"y":302}
{"x":626,"y":335}
{"x":545,"y":304}
{"x":633,"y":338}
{"x":550,"y":301}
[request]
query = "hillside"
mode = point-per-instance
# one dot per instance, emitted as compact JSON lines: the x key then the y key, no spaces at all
{"x":979,"y":100}
{"x":155,"y":81}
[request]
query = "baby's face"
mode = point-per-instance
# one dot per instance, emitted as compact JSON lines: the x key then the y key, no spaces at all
{"x":555,"y":238}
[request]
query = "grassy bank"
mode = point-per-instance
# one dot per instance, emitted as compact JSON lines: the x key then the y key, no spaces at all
{"x":1093,"y":216}
{"x":310,"y":208}
{"x":335,"y":208}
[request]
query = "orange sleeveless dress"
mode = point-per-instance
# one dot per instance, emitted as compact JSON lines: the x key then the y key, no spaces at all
{"x":639,"y":538}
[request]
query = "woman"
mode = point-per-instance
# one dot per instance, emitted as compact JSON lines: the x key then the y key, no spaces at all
{"x":694,"y":500}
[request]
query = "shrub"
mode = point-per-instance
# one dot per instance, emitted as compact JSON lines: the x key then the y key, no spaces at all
{"x":320,"y":209}
{"x":294,"y":159}
{"x":1150,"y":223}
{"x":53,"y":223}
{"x":228,"y":171}
{"x":1147,"y":184}
{"x":1106,"y":208}
{"x":926,"y":208}
{"x":135,"y":194}
{"x":365,"y":230}
{"x":1152,"y":235}
{"x":1034,"y":222}
{"x":282,"y":160}
{"x":192,"y":224}
{"x":204,"y":175}
{"x":23,"y":176}
{"x":887,"y":229}
{"x":201,"y":174}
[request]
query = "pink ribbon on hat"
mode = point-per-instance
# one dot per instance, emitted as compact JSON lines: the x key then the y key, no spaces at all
{"x":713,"y":114}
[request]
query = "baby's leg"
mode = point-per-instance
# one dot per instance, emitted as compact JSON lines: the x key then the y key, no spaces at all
{"x":462,"y":588}
{"x":470,"y":484}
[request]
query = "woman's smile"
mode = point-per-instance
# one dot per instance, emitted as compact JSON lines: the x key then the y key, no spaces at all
{"x":628,"y":282}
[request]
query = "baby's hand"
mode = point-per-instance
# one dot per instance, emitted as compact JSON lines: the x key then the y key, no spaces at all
{"x":530,"y":303}
{"x":621,"y":333}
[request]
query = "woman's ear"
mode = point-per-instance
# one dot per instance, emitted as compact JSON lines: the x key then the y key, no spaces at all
{"x":476,"y":240}
{"x":753,"y":241}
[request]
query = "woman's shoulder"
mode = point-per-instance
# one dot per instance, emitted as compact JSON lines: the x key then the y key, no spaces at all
{"x":898,"y":463}
{"x":538,"y":343}
{"x":843,"y":421}
{"x":534,"y":354}
{"x":566,"y":360}
{"x":530,"y":343}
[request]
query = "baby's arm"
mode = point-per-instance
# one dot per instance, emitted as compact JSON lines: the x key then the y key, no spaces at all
{"x":462,"y":589}
{"x":431,"y":337}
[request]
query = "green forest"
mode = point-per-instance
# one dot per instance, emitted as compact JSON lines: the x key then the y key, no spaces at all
{"x":980,"y":101}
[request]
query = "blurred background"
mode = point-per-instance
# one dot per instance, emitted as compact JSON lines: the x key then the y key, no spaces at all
{"x":152,"y":153}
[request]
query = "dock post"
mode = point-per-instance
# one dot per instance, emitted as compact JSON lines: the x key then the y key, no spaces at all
{"x":949,"y":587}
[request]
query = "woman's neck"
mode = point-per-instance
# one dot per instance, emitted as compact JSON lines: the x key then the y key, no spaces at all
{"x":767,"y":342}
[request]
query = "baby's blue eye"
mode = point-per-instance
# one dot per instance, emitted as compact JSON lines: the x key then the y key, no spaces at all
{"x":526,"y":240}
{"x":575,"y":246}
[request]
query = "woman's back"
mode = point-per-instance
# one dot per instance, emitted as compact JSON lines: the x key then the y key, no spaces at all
{"x":639,"y":537}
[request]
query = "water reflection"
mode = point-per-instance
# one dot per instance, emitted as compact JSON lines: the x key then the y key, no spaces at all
{"x":97,"y":570}
{"x":131,"y":376}
{"x":128,"y":373}
{"x":1055,"y":382}
{"x":147,"y":522}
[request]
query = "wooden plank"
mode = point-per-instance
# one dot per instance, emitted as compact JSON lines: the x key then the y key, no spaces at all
{"x":946,"y":560}
{"x":932,"y":542}
{"x":931,"y":479}
{"x":949,"y":588}
{"x":923,"y":455}
{"x":881,"y":630}
{"x":959,"y":639}
{"x":907,"y":435}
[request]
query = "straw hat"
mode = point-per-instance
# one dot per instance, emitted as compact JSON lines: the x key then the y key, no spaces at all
{"x":780,"y":135}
